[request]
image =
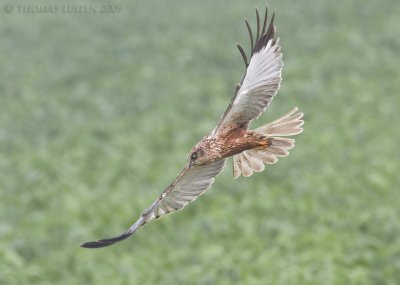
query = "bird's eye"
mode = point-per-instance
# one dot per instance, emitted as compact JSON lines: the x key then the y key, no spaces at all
{"x":194,"y":155}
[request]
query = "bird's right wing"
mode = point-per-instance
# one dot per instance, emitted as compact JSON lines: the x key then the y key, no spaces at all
{"x":187,"y":187}
{"x":261,"y":81}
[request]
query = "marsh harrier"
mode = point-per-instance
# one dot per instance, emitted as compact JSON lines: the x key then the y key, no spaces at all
{"x":250,"y":149}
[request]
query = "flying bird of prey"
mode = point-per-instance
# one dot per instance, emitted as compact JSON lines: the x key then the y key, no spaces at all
{"x":250,"y":149}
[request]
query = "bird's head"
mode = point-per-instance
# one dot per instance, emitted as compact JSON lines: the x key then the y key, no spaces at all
{"x":196,"y":156}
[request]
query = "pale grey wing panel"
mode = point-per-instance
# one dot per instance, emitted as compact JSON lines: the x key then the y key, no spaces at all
{"x":193,"y":183}
{"x":187,"y":187}
{"x":261,"y":83}
{"x":261,"y":80}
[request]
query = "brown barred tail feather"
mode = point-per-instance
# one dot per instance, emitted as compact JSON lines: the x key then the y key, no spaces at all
{"x":252,"y":160}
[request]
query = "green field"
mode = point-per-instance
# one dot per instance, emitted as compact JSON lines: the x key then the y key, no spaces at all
{"x":98,"y":112}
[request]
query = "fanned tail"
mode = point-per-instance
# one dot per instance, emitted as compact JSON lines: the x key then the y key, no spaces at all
{"x":277,"y":131}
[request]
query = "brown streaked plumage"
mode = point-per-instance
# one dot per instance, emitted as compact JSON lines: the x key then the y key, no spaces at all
{"x":250,"y":149}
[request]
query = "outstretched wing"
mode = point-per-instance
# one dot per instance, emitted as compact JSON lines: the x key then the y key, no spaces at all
{"x":187,"y":187}
{"x":262,"y":78}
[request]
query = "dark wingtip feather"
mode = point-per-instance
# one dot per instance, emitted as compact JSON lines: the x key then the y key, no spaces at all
{"x":258,"y":25}
{"x":250,"y":34}
{"x":268,"y":35}
{"x":262,"y":38}
{"x":105,"y":242}
{"x":242,"y":52}
{"x":94,"y":244}
{"x":265,"y":20}
{"x":126,"y":234}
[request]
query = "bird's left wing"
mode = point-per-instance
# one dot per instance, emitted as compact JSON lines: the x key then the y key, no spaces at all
{"x":187,"y":187}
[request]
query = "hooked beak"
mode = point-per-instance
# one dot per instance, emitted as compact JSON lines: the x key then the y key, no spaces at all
{"x":191,"y":162}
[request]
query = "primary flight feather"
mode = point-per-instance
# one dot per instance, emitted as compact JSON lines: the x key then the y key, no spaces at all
{"x":250,"y":149}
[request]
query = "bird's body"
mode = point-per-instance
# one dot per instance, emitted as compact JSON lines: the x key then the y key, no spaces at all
{"x":232,"y":137}
{"x":232,"y":141}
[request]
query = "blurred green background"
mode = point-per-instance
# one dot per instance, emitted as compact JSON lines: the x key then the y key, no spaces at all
{"x":98,"y":112}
